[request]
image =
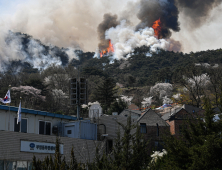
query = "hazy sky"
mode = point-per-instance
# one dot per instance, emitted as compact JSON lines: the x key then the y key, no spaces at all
{"x":60,"y":22}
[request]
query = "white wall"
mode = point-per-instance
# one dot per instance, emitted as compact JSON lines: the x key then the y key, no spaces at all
{"x":32,"y":121}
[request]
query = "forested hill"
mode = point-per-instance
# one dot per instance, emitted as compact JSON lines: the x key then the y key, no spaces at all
{"x":144,"y":69}
{"x":45,"y":86}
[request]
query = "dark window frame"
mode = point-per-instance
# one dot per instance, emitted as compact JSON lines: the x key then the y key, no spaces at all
{"x":143,"y":128}
{"x":46,"y":129}
{"x":18,"y":127}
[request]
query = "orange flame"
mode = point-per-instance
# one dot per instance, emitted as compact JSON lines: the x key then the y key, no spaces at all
{"x":157,"y":28}
{"x":108,"y":50}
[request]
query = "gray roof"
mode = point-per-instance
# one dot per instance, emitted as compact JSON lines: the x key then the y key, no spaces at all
{"x":168,"y":115}
{"x":131,"y":111}
{"x":190,"y":108}
{"x":151,"y":118}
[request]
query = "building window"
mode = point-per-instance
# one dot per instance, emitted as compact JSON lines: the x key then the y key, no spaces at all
{"x":20,"y":126}
{"x":69,"y":132}
{"x":109,"y":146}
{"x":143,"y":127}
{"x":44,"y":128}
{"x":156,"y":144}
{"x":157,"y":132}
{"x":1,"y":165}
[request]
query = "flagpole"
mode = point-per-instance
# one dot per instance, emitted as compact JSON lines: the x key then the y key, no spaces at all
{"x":9,"y":109}
{"x":20,"y":113}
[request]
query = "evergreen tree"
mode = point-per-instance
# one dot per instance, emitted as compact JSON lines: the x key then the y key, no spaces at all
{"x":58,"y":163}
{"x":105,"y":93}
{"x":199,"y":147}
{"x":117,"y":106}
{"x":129,"y":152}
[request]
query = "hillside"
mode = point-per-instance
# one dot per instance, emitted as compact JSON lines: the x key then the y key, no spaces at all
{"x":44,"y":85}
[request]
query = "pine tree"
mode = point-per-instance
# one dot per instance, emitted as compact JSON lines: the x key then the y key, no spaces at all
{"x":105,"y":93}
{"x":200,"y":146}
{"x":129,"y":151}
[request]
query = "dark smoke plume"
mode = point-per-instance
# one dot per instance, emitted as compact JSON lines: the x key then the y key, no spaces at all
{"x":197,"y":10}
{"x":166,"y":11}
{"x":109,"y":21}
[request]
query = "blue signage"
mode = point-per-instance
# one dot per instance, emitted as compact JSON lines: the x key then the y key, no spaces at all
{"x":32,"y":145}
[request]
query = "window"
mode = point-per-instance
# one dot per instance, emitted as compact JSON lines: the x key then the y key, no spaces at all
{"x":44,"y":128}
{"x":156,"y":144}
{"x":109,"y":146}
{"x":1,"y":165}
{"x":21,"y":165}
{"x":142,"y":127}
{"x":69,"y":132}
{"x":157,"y":132}
{"x":21,"y":126}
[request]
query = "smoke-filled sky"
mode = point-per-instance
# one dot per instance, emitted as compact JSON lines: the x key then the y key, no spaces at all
{"x":75,"y":23}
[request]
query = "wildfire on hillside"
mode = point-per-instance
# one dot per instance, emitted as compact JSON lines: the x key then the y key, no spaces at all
{"x":157,"y":28}
{"x":107,"y":50}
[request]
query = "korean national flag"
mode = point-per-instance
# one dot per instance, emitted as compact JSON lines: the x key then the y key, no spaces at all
{"x":7,"y":98}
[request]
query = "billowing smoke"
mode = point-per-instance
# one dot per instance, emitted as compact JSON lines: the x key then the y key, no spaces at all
{"x":109,"y":21}
{"x":125,"y":39}
{"x":23,"y":48}
{"x":197,"y":10}
{"x":78,"y":24}
{"x":174,"y":45}
{"x":165,"y":10}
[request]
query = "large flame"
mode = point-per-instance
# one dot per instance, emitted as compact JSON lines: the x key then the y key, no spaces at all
{"x":108,"y":50}
{"x":157,"y":28}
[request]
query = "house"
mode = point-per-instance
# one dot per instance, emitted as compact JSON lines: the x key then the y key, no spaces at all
{"x":36,"y":135}
{"x":176,"y":117}
{"x":176,"y":120}
{"x":108,"y":127}
{"x":153,"y":127}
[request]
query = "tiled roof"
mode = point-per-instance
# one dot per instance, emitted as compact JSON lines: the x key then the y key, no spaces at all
{"x":37,"y":112}
{"x":151,"y":118}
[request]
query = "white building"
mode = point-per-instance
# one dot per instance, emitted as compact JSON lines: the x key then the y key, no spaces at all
{"x":36,"y":135}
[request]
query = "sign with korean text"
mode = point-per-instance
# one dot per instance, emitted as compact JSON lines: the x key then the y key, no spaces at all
{"x":39,"y":147}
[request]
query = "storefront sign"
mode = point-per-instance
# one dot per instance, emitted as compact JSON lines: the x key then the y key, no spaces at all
{"x":39,"y":147}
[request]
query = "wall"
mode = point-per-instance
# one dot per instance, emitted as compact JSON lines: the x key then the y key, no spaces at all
{"x":154,"y":140}
{"x":32,"y":123}
{"x":84,"y":150}
{"x":172,"y":126}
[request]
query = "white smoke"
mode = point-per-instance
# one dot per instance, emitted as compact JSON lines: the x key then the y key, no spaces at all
{"x":39,"y":56}
{"x":125,"y":39}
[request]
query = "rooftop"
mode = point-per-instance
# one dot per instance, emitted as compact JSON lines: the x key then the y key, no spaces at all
{"x":37,"y":112}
